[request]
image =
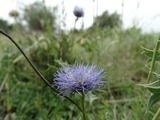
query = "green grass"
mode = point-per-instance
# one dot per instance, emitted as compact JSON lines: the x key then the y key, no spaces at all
{"x":23,"y":96}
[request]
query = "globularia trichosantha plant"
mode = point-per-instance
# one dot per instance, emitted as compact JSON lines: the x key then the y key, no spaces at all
{"x":70,"y":79}
{"x":78,"y":79}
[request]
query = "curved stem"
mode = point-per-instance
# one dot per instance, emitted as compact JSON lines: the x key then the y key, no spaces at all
{"x":36,"y":70}
{"x":83,"y":106}
{"x":153,"y":60}
{"x":156,"y":115}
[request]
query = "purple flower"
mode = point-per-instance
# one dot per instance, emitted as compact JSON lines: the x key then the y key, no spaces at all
{"x":78,"y":11}
{"x":78,"y":78}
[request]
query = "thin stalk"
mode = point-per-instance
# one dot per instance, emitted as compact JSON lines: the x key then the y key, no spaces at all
{"x":36,"y":70}
{"x":122,"y":10}
{"x":156,"y":116}
{"x":83,"y":106}
{"x":153,"y":60}
{"x":75,"y":23}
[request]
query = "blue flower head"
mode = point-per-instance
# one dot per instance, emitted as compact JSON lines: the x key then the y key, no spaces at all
{"x":78,"y":11}
{"x":78,"y":78}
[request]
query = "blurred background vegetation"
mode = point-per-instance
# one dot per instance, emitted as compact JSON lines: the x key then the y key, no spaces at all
{"x":23,"y":96}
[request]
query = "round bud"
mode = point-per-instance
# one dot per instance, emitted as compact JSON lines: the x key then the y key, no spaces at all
{"x":78,"y":11}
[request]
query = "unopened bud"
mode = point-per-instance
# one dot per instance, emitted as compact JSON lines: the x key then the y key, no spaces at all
{"x":78,"y":11}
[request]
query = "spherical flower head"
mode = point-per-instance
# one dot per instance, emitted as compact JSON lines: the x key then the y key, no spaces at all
{"x":78,"y":11}
{"x":78,"y":78}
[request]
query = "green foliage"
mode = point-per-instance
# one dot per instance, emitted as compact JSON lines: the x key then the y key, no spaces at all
{"x":149,"y":53}
{"x":5,"y":25}
{"x":107,"y":20}
{"x":39,"y":17}
{"x":24,"y":95}
{"x":154,"y":87}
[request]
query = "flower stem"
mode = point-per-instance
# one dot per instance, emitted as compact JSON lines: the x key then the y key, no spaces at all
{"x":153,"y":60}
{"x":75,"y":23}
{"x":156,"y":115}
{"x":36,"y":70}
{"x":83,"y":106}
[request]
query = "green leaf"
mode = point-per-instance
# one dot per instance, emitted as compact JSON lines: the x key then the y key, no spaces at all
{"x":91,"y":97}
{"x":156,"y":75}
{"x":153,"y":87}
{"x":61,"y":63}
{"x":149,"y":54}
{"x":153,"y":99}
